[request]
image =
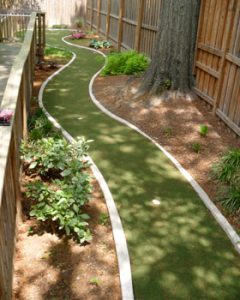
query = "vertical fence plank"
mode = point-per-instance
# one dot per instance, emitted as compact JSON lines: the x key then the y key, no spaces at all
{"x":139,"y":25}
{"x":108,"y":19}
{"x":226,"y":41}
{"x":120,"y":22}
{"x":91,"y":15}
{"x":98,"y":15}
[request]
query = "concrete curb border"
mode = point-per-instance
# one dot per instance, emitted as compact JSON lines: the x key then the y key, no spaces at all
{"x":221,"y":220}
{"x":118,"y":232}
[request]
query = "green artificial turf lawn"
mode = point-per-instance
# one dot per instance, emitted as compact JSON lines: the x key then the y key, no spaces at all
{"x":177,"y":250}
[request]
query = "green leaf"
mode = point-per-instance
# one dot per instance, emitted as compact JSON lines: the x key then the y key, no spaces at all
{"x":85,"y":217}
{"x":67,"y":229}
{"x":33,"y":165}
{"x":66,"y":172}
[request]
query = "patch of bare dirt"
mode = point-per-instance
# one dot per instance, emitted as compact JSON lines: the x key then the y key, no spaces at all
{"x":48,"y":266}
{"x":175,"y":125}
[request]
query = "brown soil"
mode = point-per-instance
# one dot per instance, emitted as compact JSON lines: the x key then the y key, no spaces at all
{"x":48,"y":266}
{"x":174,"y":124}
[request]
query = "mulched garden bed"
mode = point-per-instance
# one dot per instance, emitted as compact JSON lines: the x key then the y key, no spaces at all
{"x":175,"y":125}
{"x":49,"y":266}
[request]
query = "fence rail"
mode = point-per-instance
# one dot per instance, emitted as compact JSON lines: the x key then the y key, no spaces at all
{"x":16,"y":97}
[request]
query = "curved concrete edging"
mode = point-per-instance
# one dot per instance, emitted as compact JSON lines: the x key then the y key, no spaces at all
{"x":118,"y":233}
{"x":222,"y":221}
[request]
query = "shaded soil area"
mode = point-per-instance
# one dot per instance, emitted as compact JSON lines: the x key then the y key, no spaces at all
{"x":175,"y":125}
{"x":50,"y":266}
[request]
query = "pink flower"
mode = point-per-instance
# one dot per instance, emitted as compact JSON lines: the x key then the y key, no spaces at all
{"x":5,"y":116}
{"x":78,"y":35}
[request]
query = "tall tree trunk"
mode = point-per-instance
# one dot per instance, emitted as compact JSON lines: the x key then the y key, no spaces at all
{"x":171,"y":65}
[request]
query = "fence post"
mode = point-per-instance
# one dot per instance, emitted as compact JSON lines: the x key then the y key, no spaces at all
{"x":108,"y":19}
{"x":39,"y":44}
{"x":44,"y":28}
{"x":98,"y":15}
{"x":139,"y":25}
{"x":225,"y":46}
{"x":120,"y":24}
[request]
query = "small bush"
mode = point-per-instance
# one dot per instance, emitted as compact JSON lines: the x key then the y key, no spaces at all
{"x":65,"y":187}
{"x":227,"y":173}
{"x":128,"y":62}
{"x":203,"y":130}
{"x":196,"y":147}
{"x":50,"y":153}
{"x":61,"y":199}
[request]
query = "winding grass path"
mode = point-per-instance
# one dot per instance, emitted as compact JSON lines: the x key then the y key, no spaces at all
{"x":177,"y":249}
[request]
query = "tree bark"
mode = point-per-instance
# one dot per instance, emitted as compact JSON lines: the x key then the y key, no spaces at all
{"x":171,"y":65}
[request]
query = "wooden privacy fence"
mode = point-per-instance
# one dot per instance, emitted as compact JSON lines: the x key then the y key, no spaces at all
{"x":57,"y":12}
{"x":17,"y":97}
{"x":133,"y":24}
{"x":217,"y":64}
{"x":130,"y":24}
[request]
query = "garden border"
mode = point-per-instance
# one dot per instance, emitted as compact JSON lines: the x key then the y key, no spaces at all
{"x":219,"y":217}
{"x":118,"y":232}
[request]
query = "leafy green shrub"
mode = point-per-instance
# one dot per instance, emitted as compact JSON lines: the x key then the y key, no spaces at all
{"x":53,"y":154}
{"x":65,"y":188}
{"x":128,"y":62}
{"x":203,"y":130}
{"x":61,"y":200}
{"x":227,"y":173}
{"x":61,"y":203}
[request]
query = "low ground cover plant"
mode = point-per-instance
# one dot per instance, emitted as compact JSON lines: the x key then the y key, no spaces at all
{"x":203,"y":130}
{"x":96,"y":44}
{"x":227,"y":173}
{"x":196,"y":147}
{"x":61,"y":186}
{"x":127,"y":62}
